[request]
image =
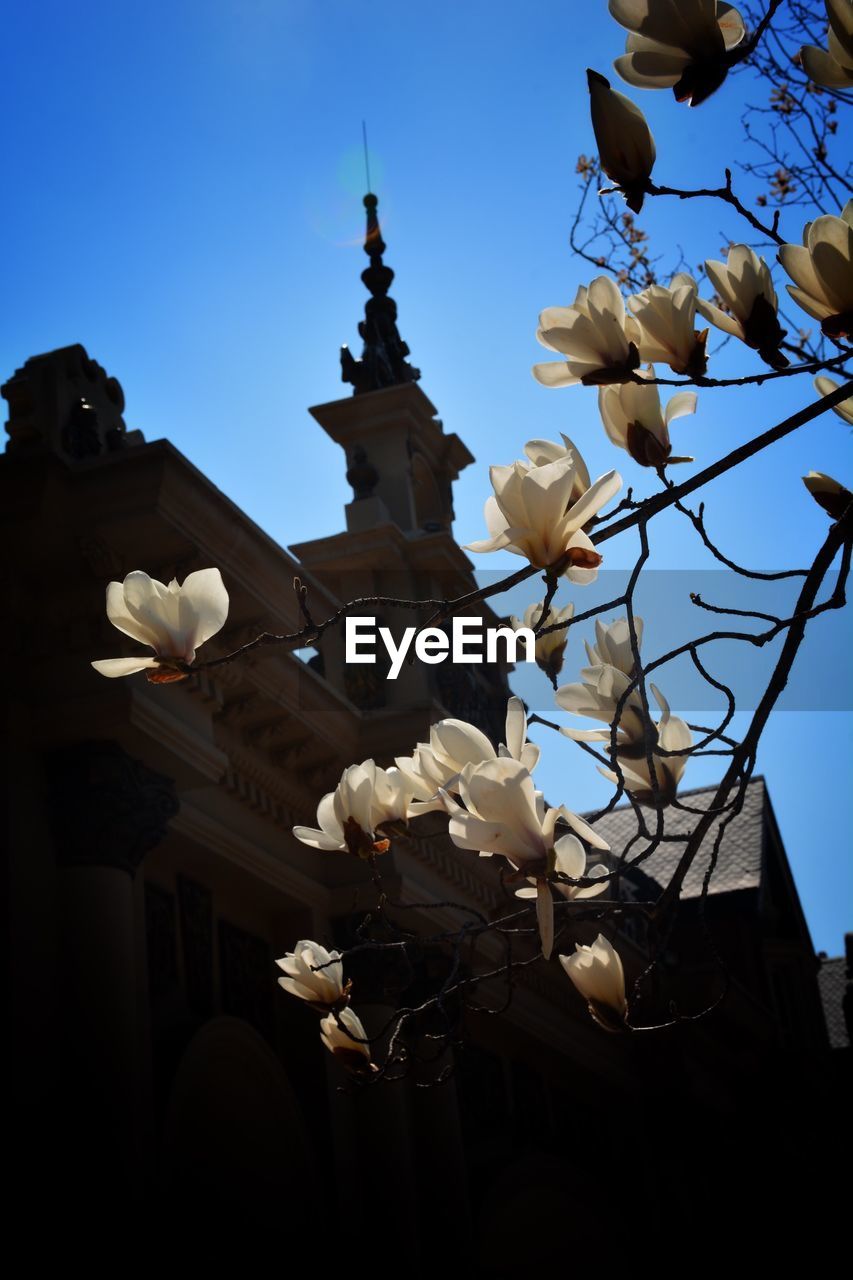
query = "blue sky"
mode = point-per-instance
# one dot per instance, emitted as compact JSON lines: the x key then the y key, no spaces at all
{"x":182,"y":195}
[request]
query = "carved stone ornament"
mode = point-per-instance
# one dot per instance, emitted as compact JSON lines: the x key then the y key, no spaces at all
{"x":65,"y":402}
{"x":361,"y":474}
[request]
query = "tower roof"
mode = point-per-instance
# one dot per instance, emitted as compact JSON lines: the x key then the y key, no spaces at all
{"x":383,"y":360}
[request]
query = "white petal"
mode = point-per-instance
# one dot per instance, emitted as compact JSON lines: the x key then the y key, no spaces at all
{"x":123,"y":666}
{"x":554,"y":373}
{"x":317,"y":839}
{"x":120,"y":617}
{"x":570,"y":857}
{"x":152,"y":606}
{"x":545,"y":917}
{"x":203,"y":605}
{"x":679,"y":405}
{"x":585,"y":830}
{"x":516,"y":727}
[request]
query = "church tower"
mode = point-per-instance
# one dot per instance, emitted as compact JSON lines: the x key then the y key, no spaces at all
{"x":398,"y":542}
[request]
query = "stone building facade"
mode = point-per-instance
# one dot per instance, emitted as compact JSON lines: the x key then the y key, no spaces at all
{"x":165,"y":1092}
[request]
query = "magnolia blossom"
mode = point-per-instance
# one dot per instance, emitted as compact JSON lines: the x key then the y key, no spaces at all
{"x":455,"y":744}
{"x":605,"y":687}
{"x":597,"y":696}
{"x":685,"y":45}
{"x":551,"y":646}
{"x":673,"y":734}
{"x":598,"y":975}
{"x":613,"y":644}
{"x":828,"y":493}
{"x":626,"y":147}
{"x":174,"y":621}
{"x":833,"y":67}
{"x":314,"y":974}
{"x":822,"y":271}
{"x":823,"y":386}
{"x":570,"y":860}
{"x":349,"y":817}
{"x":540,"y":452}
{"x":666,"y":317}
{"x":504,"y":814}
{"x":596,"y":334}
{"x":343,"y":1035}
{"x":744,"y":285}
{"x":634,"y":421}
{"x":533,"y":514}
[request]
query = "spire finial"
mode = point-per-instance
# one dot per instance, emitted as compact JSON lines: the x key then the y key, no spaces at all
{"x":366,"y":153}
{"x":383,"y":359}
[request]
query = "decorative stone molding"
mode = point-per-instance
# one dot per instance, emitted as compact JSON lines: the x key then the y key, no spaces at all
{"x":438,"y":852}
{"x":169,"y":724}
{"x":269,"y":864}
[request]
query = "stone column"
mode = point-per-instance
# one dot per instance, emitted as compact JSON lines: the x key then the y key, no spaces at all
{"x":108,"y":811}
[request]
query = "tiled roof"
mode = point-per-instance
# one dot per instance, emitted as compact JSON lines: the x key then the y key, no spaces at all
{"x":832,"y":980}
{"x":740,"y":855}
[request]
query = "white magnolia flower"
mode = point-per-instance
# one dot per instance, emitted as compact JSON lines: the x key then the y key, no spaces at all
{"x":314,"y":974}
{"x":667,"y":318}
{"x":634,"y":421}
{"x":744,"y":284}
{"x":343,"y":1035}
{"x":349,"y":817}
{"x":613,"y":644}
{"x":173,"y":621}
{"x":822,"y":270}
{"x":532,"y":514}
{"x":828,"y":493}
{"x":626,"y":147}
{"x":673,"y":734}
{"x":540,"y":452}
{"x":596,"y":334}
{"x":823,"y":386}
{"x":504,"y":814}
{"x":685,"y":45}
{"x":598,"y":975}
{"x":597,"y":696}
{"x":570,"y":860}
{"x":833,"y":67}
{"x":453,"y":745}
{"x":551,"y":646}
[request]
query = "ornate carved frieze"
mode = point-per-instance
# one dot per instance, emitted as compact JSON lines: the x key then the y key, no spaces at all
{"x":437,"y":851}
{"x":241,"y":709}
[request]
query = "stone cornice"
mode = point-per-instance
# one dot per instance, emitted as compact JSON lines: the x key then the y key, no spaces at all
{"x":211,"y":833}
{"x":159,"y":721}
{"x":354,"y":419}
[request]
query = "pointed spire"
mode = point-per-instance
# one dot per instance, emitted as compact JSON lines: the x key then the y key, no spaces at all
{"x":383,"y":359}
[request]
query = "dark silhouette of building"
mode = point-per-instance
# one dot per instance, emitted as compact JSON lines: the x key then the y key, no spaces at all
{"x":165,"y":1094}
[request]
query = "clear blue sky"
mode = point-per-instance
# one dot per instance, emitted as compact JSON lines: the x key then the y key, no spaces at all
{"x":182,"y":194}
